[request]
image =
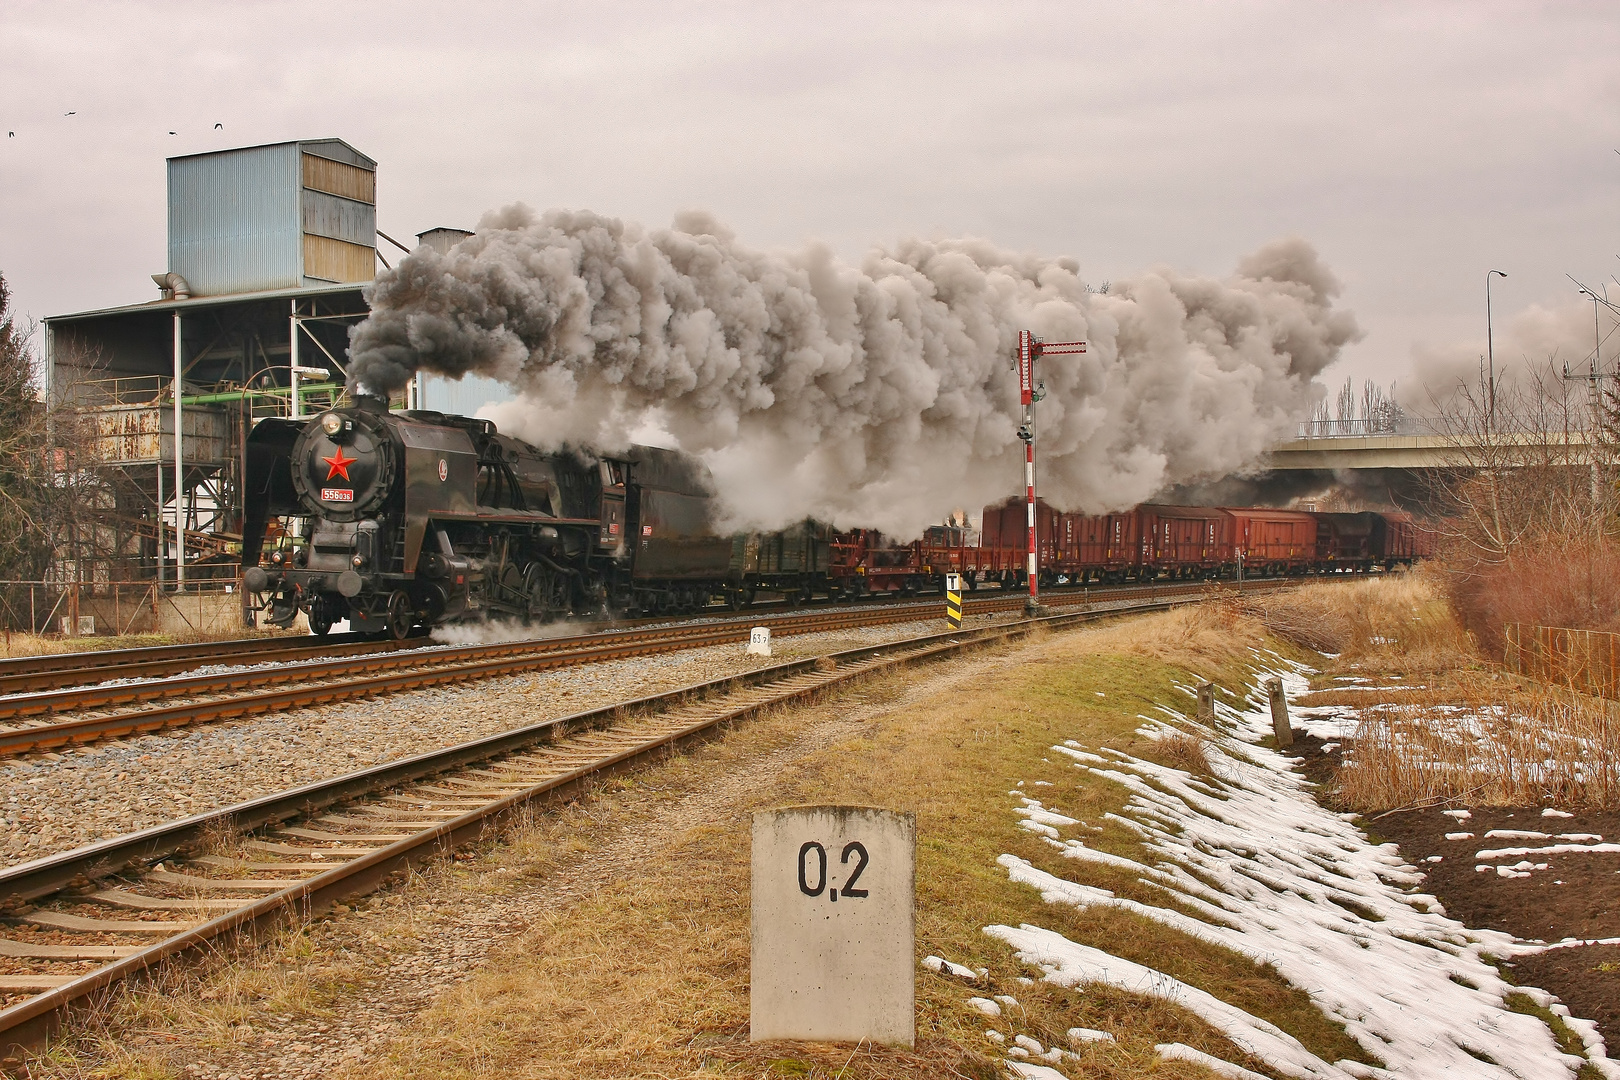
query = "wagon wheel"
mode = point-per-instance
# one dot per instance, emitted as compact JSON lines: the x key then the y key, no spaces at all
{"x":401,"y":615}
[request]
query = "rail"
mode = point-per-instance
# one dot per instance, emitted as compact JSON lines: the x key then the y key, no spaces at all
{"x":392,"y":816}
{"x":240,"y":691}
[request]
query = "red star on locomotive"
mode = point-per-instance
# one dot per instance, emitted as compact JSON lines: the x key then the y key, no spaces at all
{"x":339,"y":464}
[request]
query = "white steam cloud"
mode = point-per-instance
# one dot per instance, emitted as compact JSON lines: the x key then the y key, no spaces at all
{"x":877,"y":395}
{"x":1531,"y":348}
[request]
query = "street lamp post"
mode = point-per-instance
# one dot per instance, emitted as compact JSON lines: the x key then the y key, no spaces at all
{"x":1490,"y":348}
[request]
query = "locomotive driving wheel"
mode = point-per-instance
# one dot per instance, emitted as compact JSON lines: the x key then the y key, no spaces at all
{"x":536,"y":590}
{"x":545,"y":592}
{"x":401,"y":615}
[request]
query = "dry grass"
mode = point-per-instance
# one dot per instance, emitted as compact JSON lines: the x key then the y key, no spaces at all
{"x":1534,"y":747}
{"x":1187,"y":752}
{"x":648,"y":976}
{"x":1193,"y":636}
{"x":15,"y":643}
{"x":140,"y":1031}
{"x":1462,"y":735}
{"x":635,"y":959}
{"x":1396,"y":623}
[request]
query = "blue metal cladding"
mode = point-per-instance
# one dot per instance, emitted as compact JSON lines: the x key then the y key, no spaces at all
{"x":234,"y":219}
{"x":339,"y":218}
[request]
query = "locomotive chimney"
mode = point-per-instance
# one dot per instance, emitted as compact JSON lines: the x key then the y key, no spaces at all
{"x":371,"y":403}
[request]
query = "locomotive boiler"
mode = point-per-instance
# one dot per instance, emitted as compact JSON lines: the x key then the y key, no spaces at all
{"x":399,"y":519}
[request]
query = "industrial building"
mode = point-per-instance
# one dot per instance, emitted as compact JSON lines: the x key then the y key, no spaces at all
{"x":269,"y":248}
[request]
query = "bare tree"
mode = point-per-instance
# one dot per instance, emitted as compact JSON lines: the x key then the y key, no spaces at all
{"x":1529,"y":508}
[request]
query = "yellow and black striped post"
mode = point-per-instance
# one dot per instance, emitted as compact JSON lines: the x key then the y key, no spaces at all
{"x":953,"y":600}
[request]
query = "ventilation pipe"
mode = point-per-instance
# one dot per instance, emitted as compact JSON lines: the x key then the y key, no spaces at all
{"x":174,"y":286}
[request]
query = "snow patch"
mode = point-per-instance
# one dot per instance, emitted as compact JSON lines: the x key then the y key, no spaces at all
{"x":1265,"y":871}
{"x":1183,"y":1052}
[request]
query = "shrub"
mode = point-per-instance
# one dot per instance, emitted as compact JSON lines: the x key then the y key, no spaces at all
{"x":1569,"y":582}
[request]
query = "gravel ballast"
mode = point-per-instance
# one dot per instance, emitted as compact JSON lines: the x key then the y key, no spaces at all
{"x":55,"y":802}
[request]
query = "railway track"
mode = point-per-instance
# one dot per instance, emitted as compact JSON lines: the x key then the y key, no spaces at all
{"x":36,"y":674}
{"x":146,"y":705}
{"x":80,"y":921}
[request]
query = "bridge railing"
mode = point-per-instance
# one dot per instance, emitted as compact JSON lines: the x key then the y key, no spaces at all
{"x":1342,"y":429}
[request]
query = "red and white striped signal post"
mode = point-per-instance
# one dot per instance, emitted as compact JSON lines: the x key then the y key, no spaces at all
{"x":1030,"y":349}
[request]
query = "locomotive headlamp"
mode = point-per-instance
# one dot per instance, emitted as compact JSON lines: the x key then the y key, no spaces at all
{"x":332,"y":423}
{"x":358,"y":561}
{"x":276,"y":557}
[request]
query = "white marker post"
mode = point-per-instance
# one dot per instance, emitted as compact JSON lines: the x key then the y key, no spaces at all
{"x":759,"y":641}
{"x":834,"y":925}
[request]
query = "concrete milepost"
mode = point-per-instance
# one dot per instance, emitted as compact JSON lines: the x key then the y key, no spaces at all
{"x":834,"y":925}
{"x":759,"y":641}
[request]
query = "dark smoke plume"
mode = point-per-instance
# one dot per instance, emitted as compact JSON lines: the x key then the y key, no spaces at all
{"x":878,"y":394}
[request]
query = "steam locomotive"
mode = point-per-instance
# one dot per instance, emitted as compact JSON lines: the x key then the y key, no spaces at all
{"x":399,"y":519}
{"x":394,"y":520}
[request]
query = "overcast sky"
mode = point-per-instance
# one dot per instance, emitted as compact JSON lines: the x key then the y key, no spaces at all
{"x":1416,"y":145}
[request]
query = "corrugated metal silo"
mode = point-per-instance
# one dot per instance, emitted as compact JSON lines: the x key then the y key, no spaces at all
{"x":286,"y":215}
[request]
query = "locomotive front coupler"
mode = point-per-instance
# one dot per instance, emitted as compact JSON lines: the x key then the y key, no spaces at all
{"x":285,"y":606}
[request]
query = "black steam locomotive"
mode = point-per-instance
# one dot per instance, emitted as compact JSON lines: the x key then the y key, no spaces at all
{"x":398,"y":519}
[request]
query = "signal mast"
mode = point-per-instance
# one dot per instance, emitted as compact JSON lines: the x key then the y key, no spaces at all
{"x":1030,"y":349}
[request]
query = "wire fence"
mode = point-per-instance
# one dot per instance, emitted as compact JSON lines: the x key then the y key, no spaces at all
{"x":84,"y":608}
{"x":1584,"y":660}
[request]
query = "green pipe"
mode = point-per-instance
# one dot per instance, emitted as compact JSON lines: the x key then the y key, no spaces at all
{"x":304,"y":390}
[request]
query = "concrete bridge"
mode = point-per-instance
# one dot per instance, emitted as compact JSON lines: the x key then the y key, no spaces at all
{"x":1338,"y":445}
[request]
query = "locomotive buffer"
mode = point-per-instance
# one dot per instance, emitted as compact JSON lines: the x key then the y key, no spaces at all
{"x":1030,"y":349}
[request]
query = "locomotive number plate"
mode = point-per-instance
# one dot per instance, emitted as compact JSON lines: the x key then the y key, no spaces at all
{"x":337,"y":495}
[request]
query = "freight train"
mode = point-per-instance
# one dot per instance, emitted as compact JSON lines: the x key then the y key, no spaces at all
{"x":394,"y":520}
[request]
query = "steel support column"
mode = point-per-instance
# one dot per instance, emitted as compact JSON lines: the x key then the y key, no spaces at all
{"x":179,"y":464}
{"x":292,"y":359}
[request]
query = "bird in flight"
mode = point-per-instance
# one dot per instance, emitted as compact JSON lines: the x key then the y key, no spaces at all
{"x":171,"y":133}
{"x":11,"y":134}
{"x":75,"y":112}
{"x":218,"y":126}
